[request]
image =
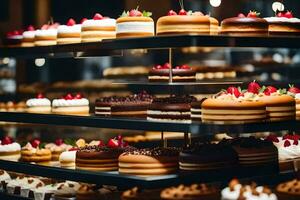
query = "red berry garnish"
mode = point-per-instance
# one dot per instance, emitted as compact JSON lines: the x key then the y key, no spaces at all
{"x":157,"y":67}
{"x":280,"y":14}
{"x":272,"y":138}
{"x":71,"y":22}
{"x":59,"y":142}
{"x":113,"y":143}
{"x":83,"y":20}
{"x":45,"y":27}
{"x":30,"y":28}
{"x":182,"y":12}
{"x":6,"y":140}
{"x":253,"y":87}
{"x":101,"y":143}
{"x":185,"y":67}
{"x":294,"y":90}
{"x":253,"y":14}
{"x":166,"y":66}
{"x":78,"y":96}
{"x":296,"y":142}
{"x":241,"y":15}
{"x":16,"y":32}
{"x":68,"y":97}
{"x":40,"y":96}
{"x":287,"y":143}
{"x":269,"y":90}
{"x":234,"y":91}
{"x":74,"y":149}
{"x":35,"y":143}
{"x":98,"y":16}
{"x":288,"y":14}
{"x":135,"y":13}
{"x":172,"y":12}
{"x":177,"y":67}
{"x":287,"y":136}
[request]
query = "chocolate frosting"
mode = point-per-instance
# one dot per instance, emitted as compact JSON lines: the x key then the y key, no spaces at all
{"x":141,"y":97}
{"x":248,"y":142}
{"x":245,"y":20}
{"x":155,"y":152}
{"x":175,"y":100}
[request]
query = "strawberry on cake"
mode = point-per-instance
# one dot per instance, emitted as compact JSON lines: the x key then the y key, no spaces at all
{"x":98,"y":29}
{"x":13,"y":38}
{"x":135,"y":24}
{"x":70,"y":33}
{"x":28,"y":37}
{"x":9,"y":150}
{"x":47,"y":35}
{"x":40,"y":104}
{"x":71,"y":105}
{"x":181,"y":73}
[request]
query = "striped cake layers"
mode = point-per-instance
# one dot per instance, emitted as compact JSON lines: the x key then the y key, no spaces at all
{"x":178,"y":75}
{"x":196,"y":110}
{"x":220,"y":111}
{"x":298,"y":109}
{"x":140,"y":26}
{"x":280,"y":108}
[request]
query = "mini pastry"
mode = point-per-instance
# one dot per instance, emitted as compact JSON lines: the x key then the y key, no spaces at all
{"x":47,"y":35}
{"x":289,"y":190}
{"x":66,"y":190}
{"x":284,"y":23}
{"x":131,"y":106}
{"x":182,"y":73}
{"x":71,"y":105}
{"x":87,"y":192}
{"x":4,"y":179}
{"x":174,"y":109}
{"x":237,"y":191}
{"x":40,"y":104}
{"x":192,"y":192}
{"x":98,"y":29}
{"x":14,"y":185}
{"x":149,"y":162}
{"x":135,"y":24}
{"x":31,"y":152}
{"x":70,"y":33}
{"x":45,"y":192}
{"x":67,"y":159}
{"x":9,"y":150}
{"x":14,"y":38}
{"x":57,"y":148}
{"x":28,"y":37}
{"x":32,"y":183}
{"x":251,"y":25}
{"x":140,"y":194}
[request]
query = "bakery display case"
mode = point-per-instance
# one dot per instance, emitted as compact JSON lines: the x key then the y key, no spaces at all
{"x":223,"y":124}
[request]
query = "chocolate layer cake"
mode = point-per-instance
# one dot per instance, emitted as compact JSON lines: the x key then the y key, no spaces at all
{"x":174,"y":108}
{"x":196,"y":110}
{"x":130,"y":106}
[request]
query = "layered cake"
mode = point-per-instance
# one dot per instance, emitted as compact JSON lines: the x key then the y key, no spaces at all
{"x":237,"y":191}
{"x":131,"y":106}
{"x":182,"y":73}
{"x":28,"y":37}
{"x":13,"y":38}
{"x":196,"y":110}
{"x":251,"y":24}
{"x":295,"y":92}
{"x":40,"y":104}
{"x":98,"y":29}
{"x":135,"y":24}
{"x":47,"y":35}
{"x":149,"y":162}
{"x":70,"y":33}
{"x":57,"y":148}
{"x":279,"y":105}
{"x":191,"y":192}
{"x":174,"y":109}
{"x":284,"y":23}
{"x":100,"y":157}
{"x":31,"y":152}
{"x":289,"y":190}
{"x":9,"y":150}
{"x":67,"y":159}
{"x":71,"y":105}
{"x":233,"y":107}
{"x":208,"y":158}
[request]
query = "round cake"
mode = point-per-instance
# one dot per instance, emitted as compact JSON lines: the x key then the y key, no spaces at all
{"x":32,"y":153}
{"x":135,"y":24}
{"x":192,"y":192}
{"x":251,"y":25}
{"x":289,"y":190}
{"x":47,"y":35}
{"x":40,"y":104}
{"x":149,"y":162}
{"x":70,"y":33}
{"x":9,"y":150}
{"x":28,"y":37}
{"x":98,"y":29}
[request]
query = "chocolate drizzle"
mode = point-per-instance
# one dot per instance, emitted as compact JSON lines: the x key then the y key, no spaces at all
{"x":248,"y":142}
{"x":155,"y":152}
{"x":175,"y":99}
{"x":141,"y":97}
{"x":96,"y":148}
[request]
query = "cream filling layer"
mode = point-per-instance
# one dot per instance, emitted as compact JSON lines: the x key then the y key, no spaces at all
{"x":136,"y":27}
{"x":232,"y":117}
{"x":232,"y":112}
{"x":169,"y":120}
{"x":157,"y":112}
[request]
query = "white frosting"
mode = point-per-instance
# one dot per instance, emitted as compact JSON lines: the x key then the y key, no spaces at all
{"x":29,"y":34}
{"x":69,"y":103}
{"x":48,"y":32}
{"x":17,"y":182}
{"x":140,"y":27}
{"x":67,"y":156}
{"x":227,"y":194}
{"x":5,"y":176}
{"x":29,"y":147}
{"x":102,"y":23}
{"x":55,"y":148}
{"x":286,"y":153}
{"x":297,"y":96}
{"x":282,"y":19}
{"x":248,"y":96}
{"x":39,"y":193}
{"x":10,"y":147}
{"x":69,"y":29}
{"x":38,"y":102}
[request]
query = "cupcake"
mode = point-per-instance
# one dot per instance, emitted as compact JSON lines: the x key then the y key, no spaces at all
{"x":57,"y":148}
{"x":45,"y":192}
{"x":288,"y":190}
{"x":28,"y":37}
{"x":70,"y":33}
{"x":9,"y":150}
{"x":66,"y":190}
{"x":32,"y":183}
{"x":40,"y":104}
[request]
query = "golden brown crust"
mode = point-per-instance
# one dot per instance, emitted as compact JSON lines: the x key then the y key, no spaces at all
{"x":278,"y":100}
{"x":228,"y":104}
{"x":179,"y":19}
{"x":134,"y":19}
{"x":133,"y":35}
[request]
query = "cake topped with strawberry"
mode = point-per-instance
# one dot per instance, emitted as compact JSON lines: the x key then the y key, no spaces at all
{"x":135,"y":23}
{"x":183,"y":73}
{"x":284,"y":23}
{"x":28,"y":37}
{"x":13,"y":38}
{"x":39,"y":104}
{"x":250,"y":24}
{"x":69,"y":33}
{"x":186,"y":22}
{"x":34,"y":151}
{"x":98,"y":28}
{"x":47,"y":35}
{"x":9,"y":149}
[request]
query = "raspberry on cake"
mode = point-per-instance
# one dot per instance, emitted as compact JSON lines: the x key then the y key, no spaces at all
{"x":9,"y":150}
{"x":251,"y":24}
{"x":149,"y":162}
{"x":28,"y":37}
{"x":13,"y":38}
{"x":174,"y":109}
{"x":71,"y":105}
{"x":40,"y":104}
{"x":135,"y":24}
{"x":284,"y":23}
{"x":131,"y":106}
{"x":181,"y":73}
{"x":98,"y":29}
{"x":70,"y":33}
{"x":47,"y":35}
